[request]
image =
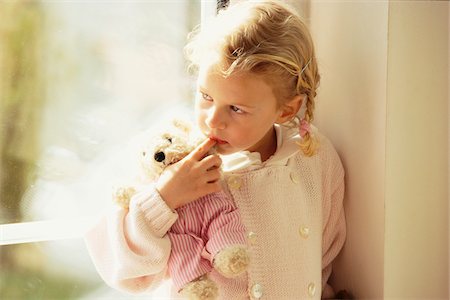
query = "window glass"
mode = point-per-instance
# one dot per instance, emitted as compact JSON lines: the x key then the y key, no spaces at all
{"x":79,"y":78}
{"x":56,"y":270}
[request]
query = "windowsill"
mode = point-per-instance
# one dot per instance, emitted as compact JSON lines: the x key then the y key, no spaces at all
{"x":38,"y":231}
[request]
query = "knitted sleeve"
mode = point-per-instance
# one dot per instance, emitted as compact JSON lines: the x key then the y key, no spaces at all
{"x":129,"y":247}
{"x":334,"y":228}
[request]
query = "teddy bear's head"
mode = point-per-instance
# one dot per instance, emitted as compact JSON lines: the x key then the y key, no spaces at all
{"x":167,"y":147}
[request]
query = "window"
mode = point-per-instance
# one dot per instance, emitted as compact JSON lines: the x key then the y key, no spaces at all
{"x":78,"y":79}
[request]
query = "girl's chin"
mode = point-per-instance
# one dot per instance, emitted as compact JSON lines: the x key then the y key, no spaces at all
{"x":225,"y":149}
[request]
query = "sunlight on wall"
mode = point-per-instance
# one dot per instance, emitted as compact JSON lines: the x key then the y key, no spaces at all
{"x":417,"y":233}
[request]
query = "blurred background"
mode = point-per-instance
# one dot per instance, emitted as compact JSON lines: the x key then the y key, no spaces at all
{"x":77,"y":80}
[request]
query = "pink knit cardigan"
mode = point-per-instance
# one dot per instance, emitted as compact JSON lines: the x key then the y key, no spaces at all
{"x":291,"y":206}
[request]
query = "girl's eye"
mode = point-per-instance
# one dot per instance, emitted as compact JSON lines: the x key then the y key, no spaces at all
{"x":236,"y":109}
{"x":206,"y":97}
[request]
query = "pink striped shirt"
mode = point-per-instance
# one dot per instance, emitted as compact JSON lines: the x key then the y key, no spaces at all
{"x":203,"y":228}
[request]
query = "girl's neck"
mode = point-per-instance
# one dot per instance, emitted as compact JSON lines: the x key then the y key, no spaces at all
{"x":268,"y":145}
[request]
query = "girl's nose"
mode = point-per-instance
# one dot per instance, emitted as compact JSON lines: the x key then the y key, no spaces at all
{"x":214,"y":120}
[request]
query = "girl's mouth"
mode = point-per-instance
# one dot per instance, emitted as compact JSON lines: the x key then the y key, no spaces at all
{"x":219,"y":141}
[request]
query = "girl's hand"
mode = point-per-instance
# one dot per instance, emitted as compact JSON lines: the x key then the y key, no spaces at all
{"x":191,"y":178}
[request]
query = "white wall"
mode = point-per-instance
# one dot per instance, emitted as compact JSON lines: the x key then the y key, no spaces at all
{"x":351,"y":46}
{"x":416,"y":199}
{"x":383,"y":102}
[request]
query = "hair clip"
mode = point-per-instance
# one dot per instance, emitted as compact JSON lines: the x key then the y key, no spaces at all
{"x":304,"y":127}
{"x":304,"y":68}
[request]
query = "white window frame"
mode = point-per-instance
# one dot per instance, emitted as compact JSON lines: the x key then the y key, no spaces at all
{"x":42,"y":231}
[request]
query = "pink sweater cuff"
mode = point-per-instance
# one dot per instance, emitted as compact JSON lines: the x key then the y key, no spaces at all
{"x":155,"y":210}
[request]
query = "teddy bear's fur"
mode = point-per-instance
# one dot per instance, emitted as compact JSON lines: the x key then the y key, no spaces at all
{"x":158,"y":152}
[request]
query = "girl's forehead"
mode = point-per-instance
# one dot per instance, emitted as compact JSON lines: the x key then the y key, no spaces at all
{"x":214,"y":67}
{"x":242,"y":86}
{"x":213,"y":76}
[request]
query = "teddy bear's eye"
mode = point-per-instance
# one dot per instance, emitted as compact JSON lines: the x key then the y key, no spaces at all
{"x":170,"y":140}
{"x":143,"y":153}
{"x":160,"y":156}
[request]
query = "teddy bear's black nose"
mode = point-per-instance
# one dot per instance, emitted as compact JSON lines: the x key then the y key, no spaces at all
{"x":160,"y":156}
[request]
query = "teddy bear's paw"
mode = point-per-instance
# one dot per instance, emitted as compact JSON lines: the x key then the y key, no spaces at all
{"x":232,"y":261}
{"x":122,"y":196}
{"x":202,"y":288}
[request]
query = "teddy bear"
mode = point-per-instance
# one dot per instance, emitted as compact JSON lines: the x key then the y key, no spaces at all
{"x":208,"y":233}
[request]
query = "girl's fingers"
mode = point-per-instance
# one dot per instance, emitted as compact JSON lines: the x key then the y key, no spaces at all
{"x":213,"y":187}
{"x":209,"y":162}
{"x":212,"y":175}
{"x":199,"y":153}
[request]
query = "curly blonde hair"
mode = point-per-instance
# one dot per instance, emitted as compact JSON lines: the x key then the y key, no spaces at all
{"x":267,"y":38}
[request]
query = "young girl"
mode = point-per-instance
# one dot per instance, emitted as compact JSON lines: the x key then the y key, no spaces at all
{"x":256,"y":70}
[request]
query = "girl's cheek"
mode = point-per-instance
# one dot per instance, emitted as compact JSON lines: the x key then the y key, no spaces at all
{"x":200,"y":118}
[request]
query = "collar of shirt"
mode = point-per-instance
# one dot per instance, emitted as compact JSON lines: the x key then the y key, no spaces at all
{"x":287,"y":146}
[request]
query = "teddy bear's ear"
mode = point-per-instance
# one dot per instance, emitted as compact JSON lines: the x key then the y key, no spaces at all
{"x":181,"y":124}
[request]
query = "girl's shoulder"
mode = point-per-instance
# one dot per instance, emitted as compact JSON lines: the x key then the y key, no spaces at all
{"x":328,"y":155}
{"x":326,"y":146}
{"x":326,"y":158}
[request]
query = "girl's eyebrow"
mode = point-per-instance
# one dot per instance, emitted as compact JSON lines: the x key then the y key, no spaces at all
{"x":205,"y":91}
{"x":245,"y":105}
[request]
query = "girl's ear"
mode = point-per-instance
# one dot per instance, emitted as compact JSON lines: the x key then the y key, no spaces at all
{"x":290,"y":109}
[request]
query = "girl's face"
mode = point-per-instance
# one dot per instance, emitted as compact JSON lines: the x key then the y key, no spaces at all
{"x":238,"y":112}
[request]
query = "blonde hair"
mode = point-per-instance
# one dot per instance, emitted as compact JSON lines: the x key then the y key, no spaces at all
{"x":267,"y":38}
